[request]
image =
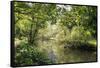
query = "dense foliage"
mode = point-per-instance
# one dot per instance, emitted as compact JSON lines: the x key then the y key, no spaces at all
{"x":36,"y":25}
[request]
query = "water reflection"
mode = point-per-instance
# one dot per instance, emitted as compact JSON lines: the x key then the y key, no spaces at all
{"x":51,"y":43}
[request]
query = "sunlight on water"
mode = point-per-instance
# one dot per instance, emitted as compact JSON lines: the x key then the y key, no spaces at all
{"x":55,"y":49}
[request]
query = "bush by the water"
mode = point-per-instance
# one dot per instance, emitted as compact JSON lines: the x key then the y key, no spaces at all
{"x":30,"y":55}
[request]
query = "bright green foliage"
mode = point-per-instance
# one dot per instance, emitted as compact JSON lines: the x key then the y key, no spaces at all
{"x":29,"y":55}
{"x":44,"y":32}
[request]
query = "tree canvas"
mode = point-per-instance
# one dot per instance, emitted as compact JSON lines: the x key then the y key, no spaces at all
{"x":52,"y":33}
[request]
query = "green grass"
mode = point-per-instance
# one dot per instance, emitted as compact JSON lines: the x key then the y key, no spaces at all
{"x":92,"y":42}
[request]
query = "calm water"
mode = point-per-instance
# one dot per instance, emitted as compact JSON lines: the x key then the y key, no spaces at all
{"x":58,"y":54}
{"x":51,"y":43}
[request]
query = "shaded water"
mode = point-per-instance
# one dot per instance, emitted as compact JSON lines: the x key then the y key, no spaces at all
{"x":51,"y":43}
{"x":58,"y":54}
{"x":79,"y":56}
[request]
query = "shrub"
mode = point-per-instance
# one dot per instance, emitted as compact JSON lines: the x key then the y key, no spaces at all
{"x":30,"y":55}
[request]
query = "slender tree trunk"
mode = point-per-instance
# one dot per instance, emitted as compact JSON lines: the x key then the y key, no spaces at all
{"x":30,"y":34}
